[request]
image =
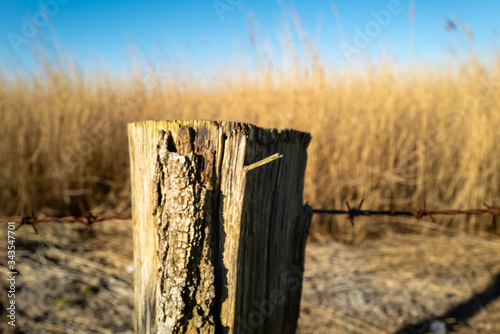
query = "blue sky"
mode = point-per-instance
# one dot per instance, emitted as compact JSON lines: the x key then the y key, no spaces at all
{"x":208,"y":31}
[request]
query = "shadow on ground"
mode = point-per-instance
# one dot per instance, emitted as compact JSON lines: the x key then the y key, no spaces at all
{"x":460,"y":314}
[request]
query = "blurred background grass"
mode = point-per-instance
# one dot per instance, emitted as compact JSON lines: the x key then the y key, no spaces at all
{"x":391,"y":134}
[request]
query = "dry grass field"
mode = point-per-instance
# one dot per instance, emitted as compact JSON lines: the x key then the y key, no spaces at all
{"x":391,"y":135}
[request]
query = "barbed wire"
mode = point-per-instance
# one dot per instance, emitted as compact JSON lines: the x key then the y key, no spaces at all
{"x":352,"y":214}
{"x":87,"y":219}
{"x":418,"y":213}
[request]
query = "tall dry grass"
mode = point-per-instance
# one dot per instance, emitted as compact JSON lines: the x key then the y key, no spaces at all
{"x":389,"y":135}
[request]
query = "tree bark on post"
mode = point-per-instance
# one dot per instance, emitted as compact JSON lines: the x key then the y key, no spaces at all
{"x":219,"y":226}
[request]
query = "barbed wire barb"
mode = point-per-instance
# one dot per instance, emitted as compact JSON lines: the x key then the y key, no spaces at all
{"x":494,"y":211}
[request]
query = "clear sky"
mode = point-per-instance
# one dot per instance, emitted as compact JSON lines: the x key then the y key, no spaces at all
{"x":206,"y":31}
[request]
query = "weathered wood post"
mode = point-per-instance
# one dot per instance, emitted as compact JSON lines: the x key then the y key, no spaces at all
{"x":219,"y":241}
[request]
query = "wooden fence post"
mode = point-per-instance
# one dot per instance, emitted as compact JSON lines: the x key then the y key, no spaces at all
{"x":219,"y":239}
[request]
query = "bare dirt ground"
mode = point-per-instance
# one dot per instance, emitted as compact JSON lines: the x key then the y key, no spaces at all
{"x":75,"y":281}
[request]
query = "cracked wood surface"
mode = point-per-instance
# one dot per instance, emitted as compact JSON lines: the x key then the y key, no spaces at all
{"x":217,"y":249}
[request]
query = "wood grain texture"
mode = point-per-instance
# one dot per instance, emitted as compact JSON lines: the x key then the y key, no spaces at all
{"x":217,"y":249}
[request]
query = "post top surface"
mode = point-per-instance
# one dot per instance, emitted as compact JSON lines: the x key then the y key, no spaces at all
{"x":218,"y":123}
